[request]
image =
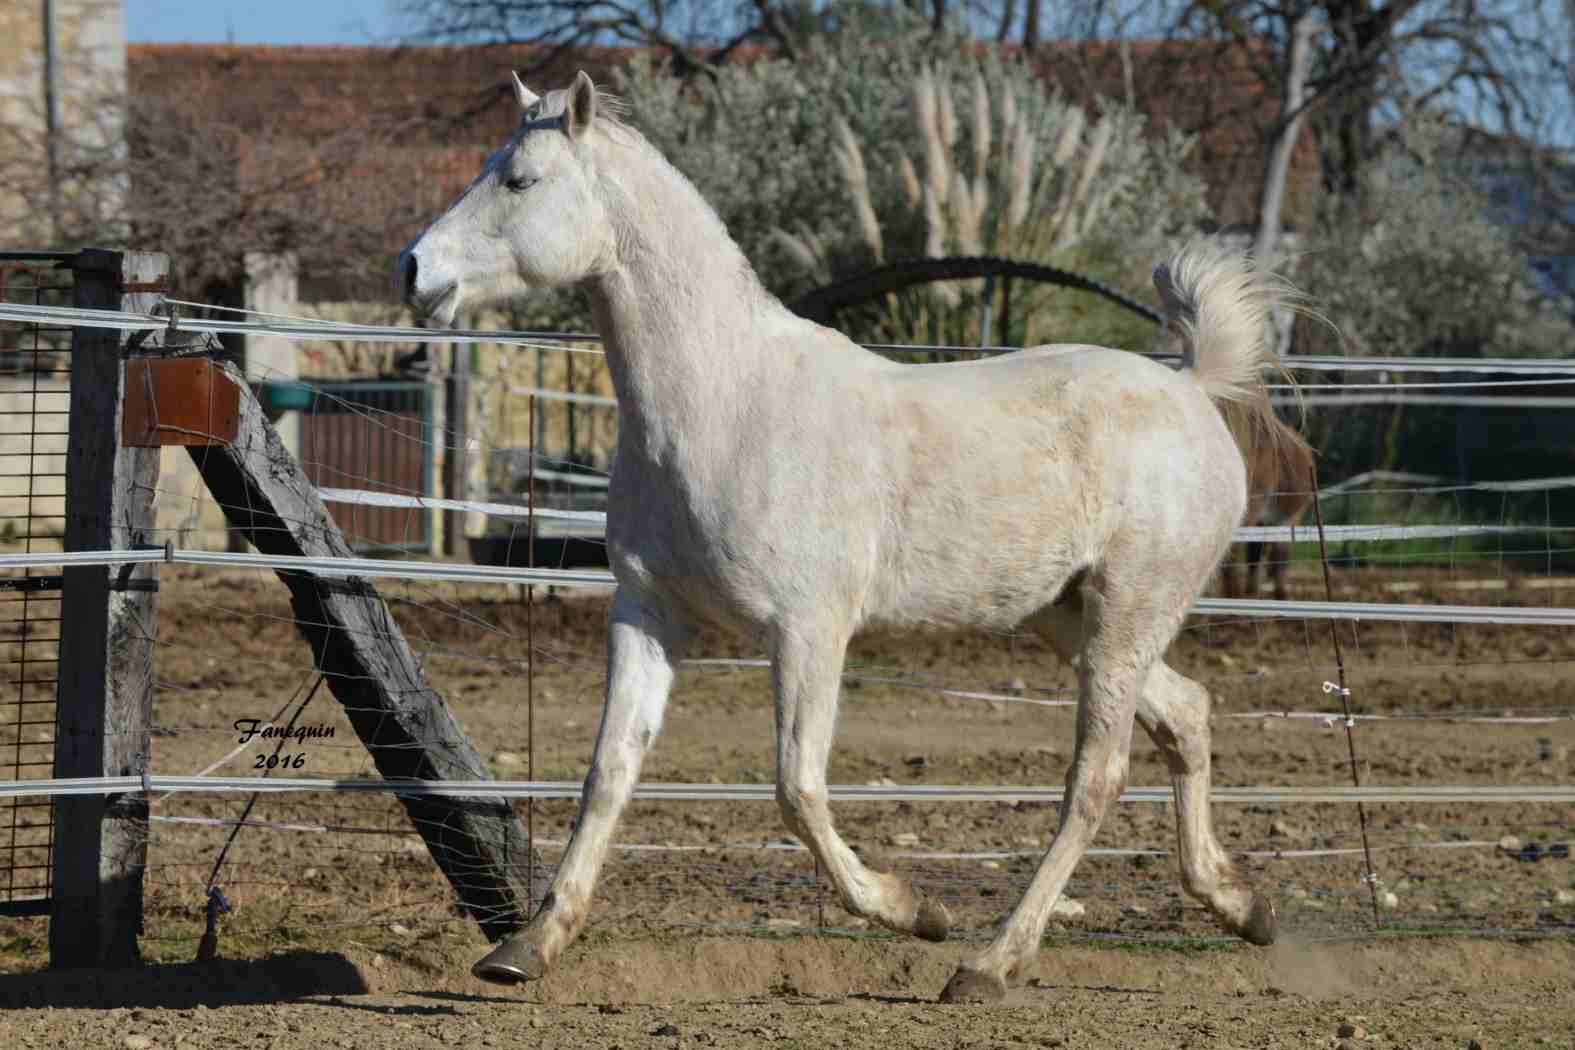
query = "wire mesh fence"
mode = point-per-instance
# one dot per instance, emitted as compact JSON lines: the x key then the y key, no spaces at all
{"x":34,"y":402}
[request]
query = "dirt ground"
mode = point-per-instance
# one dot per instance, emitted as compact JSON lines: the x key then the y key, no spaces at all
{"x":708,"y":929}
{"x":700,"y":991}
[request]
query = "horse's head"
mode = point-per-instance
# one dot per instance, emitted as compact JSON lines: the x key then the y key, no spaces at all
{"x":532,"y":217}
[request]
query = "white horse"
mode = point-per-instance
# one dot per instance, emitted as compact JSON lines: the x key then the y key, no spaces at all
{"x":773,"y":477}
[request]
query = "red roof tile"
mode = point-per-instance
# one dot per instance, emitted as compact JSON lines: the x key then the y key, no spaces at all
{"x":440,"y":110}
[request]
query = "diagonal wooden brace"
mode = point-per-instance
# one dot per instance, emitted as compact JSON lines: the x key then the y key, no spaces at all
{"x":477,"y":842}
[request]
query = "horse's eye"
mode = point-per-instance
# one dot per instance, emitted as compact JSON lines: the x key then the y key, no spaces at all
{"x":519,"y":184}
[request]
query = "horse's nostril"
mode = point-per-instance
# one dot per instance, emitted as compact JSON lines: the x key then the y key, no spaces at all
{"x":408,"y":264}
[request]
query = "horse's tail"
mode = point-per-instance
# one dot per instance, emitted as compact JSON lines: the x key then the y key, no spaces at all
{"x":1220,"y":303}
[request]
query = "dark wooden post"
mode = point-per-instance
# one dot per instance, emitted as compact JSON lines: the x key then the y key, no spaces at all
{"x":105,"y":691}
{"x":456,"y":447}
{"x":479,"y":843}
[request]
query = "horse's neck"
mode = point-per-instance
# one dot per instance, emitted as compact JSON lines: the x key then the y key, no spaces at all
{"x":680,"y":316}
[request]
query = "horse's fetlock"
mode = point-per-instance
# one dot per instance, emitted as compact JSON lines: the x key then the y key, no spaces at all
{"x":1198,"y":879}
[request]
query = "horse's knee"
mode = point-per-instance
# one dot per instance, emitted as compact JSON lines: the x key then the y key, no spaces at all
{"x":1088,"y":797}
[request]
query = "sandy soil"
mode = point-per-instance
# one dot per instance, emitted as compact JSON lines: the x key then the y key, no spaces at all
{"x":348,"y":937}
{"x":822,"y":992}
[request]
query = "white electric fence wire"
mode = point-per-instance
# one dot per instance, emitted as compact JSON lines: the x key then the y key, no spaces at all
{"x":1380,"y":533}
{"x":210,"y":767}
{"x":1432,"y":484}
{"x":364,"y":497}
{"x":1523,"y":616}
{"x":674,"y":792}
{"x":128,"y":321}
{"x":902,"y":683}
{"x":336,"y":567}
{"x":1256,"y":533}
{"x":1454,"y":384}
{"x":796,"y":847}
{"x":1422,"y":401}
{"x":133,"y":322}
{"x":1526,"y":616}
{"x":1325,"y":717}
{"x":545,"y":394}
{"x":588,"y":481}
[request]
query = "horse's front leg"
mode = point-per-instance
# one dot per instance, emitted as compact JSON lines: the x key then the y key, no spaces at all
{"x":643,"y":648}
{"x":807,"y":672}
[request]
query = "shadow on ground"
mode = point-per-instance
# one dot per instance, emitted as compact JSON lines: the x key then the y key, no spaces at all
{"x":221,"y":982}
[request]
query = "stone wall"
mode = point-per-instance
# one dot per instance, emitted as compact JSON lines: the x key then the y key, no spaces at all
{"x":90,"y":47}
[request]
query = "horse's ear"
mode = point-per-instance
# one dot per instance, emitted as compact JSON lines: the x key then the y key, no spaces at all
{"x":522,"y":94}
{"x":581,"y":110}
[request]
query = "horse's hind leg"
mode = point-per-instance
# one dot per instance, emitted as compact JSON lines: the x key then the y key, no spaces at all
{"x":1255,"y":553}
{"x":1125,"y":625}
{"x":642,"y":652}
{"x":807,"y":672}
{"x":1279,"y":563}
{"x":1174,"y":710}
{"x":1230,"y":586}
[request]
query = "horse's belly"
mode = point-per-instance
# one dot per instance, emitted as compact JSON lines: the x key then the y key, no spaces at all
{"x":991,"y":608}
{"x":988,"y":577}
{"x":689,"y":581}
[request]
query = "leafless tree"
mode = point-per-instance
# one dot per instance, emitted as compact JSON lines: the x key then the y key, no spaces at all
{"x":1503,"y":65}
{"x":176,"y":177}
{"x":690,"y":32}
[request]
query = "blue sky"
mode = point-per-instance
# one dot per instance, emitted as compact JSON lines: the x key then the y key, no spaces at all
{"x":271,"y":22}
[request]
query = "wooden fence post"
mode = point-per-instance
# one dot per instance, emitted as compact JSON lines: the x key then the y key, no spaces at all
{"x":105,"y":691}
{"x":456,"y":448}
{"x":477,"y":842}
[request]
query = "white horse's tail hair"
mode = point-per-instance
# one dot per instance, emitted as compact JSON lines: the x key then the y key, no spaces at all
{"x":1220,"y":303}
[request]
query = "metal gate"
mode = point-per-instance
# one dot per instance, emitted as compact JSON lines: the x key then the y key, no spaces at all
{"x":376,"y":436}
{"x":34,"y":410}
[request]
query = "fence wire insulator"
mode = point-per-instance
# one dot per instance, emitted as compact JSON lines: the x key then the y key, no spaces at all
{"x":1339,"y":688}
{"x":208,"y":947}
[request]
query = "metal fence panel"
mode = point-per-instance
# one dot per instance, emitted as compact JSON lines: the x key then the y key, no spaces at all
{"x":34,"y":414}
{"x":374,"y":435}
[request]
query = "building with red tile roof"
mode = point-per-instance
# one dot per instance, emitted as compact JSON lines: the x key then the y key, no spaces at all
{"x":421,"y":119}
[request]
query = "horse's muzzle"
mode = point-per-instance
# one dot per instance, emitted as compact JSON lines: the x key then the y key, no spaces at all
{"x":435,"y":303}
{"x":408,"y":267}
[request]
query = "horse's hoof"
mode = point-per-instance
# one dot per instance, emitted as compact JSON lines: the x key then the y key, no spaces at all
{"x":512,"y":962}
{"x":1261,"y":925}
{"x":933,"y":920}
{"x":971,"y":986}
